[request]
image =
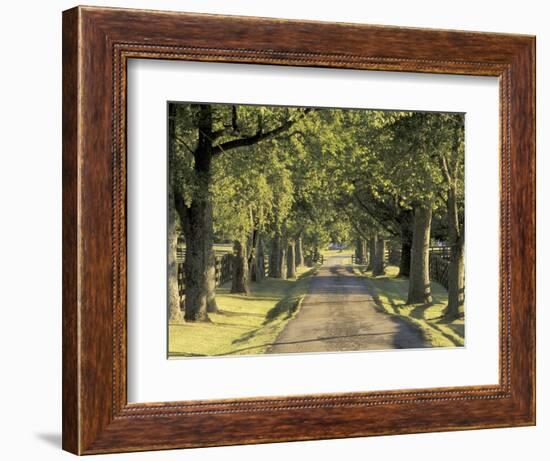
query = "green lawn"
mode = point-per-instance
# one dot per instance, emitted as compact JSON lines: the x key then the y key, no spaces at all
{"x":245,"y":324}
{"x":223,"y":247}
{"x":219,"y":247}
{"x":390,"y":294}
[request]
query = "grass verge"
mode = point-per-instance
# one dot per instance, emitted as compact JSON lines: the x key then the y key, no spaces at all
{"x":390,"y":294}
{"x":344,"y":252}
{"x":244,"y":324}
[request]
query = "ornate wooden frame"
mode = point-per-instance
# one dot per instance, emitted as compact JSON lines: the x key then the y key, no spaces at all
{"x":97,"y":43}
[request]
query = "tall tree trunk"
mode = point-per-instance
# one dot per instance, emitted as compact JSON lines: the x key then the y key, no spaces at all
{"x":372,"y":252}
{"x":197,"y":224}
{"x":281,"y":270}
{"x":211,"y":304}
{"x":456,"y":265}
{"x":199,"y":260}
{"x":316,"y":254}
{"x":406,"y":247}
{"x":274,"y":254}
{"x":258,"y":270}
{"x":405,"y":261}
{"x":291,"y":260}
{"x":253,"y":250}
{"x":241,"y":280}
{"x":419,"y":278}
{"x":379,"y":264}
{"x":256,"y":258}
{"x":299,"y":252}
{"x":174,"y":302}
{"x":361,"y":251}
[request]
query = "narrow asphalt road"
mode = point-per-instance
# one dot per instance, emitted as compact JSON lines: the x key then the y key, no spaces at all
{"x":339,"y":314}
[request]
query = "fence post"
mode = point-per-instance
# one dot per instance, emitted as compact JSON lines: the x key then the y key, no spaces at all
{"x":181,"y":284}
{"x":439,"y":269}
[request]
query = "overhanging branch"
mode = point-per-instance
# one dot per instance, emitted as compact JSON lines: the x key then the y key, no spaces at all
{"x":256,"y":138}
{"x":184,"y":144}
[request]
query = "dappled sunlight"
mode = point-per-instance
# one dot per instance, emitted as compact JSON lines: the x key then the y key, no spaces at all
{"x":390,"y":293}
{"x":257,"y":193}
{"x":244,"y":324}
{"x":229,"y":313}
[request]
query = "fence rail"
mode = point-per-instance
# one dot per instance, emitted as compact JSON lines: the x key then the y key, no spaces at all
{"x":439,"y":264}
{"x":223,"y":265}
{"x":310,"y":259}
{"x":224,"y":271}
{"x":391,"y":255}
{"x":439,"y":261}
{"x":180,"y":254}
{"x":443,"y":252}
{"x":439,"y":269}
{"x":394,"y":253}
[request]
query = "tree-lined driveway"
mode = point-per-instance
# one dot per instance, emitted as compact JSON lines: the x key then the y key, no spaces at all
{"x":339,"y":314}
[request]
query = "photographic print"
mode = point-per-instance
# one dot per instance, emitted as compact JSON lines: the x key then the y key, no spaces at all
{"x":309,"y":229}
{"x":243,"y":201}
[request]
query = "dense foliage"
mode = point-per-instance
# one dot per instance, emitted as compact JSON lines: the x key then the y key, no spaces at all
{"x":286,"y":182}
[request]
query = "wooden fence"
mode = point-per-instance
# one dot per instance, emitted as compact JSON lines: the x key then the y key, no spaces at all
{"x":224,"y":267}
{"x":224,"y":270}
{"x":439,"y":265}
{"x":390,"y":256}
{"x":393,"y":255}
{"x":354,"y":259}
{"x":439,"y":269}
{"x":439,"y":261}
{"x":444,"y":252}
{"x":310,"y":259}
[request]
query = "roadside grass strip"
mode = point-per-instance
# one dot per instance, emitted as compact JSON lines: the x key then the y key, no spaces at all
{"x":245,"y":324}
{"x":390,"y":294}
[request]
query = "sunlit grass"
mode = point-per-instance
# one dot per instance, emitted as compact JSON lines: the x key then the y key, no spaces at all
{"x":225,"y":247}
{"x":347,"y":252}
{"x":390,"y":294}
{"x":245,"y":324}
{"x":219,"y":247}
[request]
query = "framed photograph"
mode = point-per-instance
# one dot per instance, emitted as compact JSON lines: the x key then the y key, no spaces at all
{"x":282,"y":230}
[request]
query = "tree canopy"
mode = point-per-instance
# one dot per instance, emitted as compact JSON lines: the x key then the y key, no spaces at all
{"x":316,"y":174}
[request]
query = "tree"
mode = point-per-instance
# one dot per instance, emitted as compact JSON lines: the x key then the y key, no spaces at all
{"x":416,"y":142}
{"x":372,"y":251}
{"x":379,"y":264}
{"x":361,"y":250}
{"x":433,"y":144}
{"x":211,"y":131}
{"x":372,"y":200}
{"x":196,"y":218}
{"x":173,"y":229}
{"x":250,"y":197}
{"x":419,"y":278}
{"x":240,"y":280}
{"x":291,"y":260}
{"x":406,"y":234}
{"x":299,"y":261}
{"x":293,"y":180}
{"x":452,"y":165}
{"x":257,"y":259}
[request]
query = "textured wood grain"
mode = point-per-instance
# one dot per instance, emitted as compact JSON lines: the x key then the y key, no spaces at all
{"x":70,"y":383}
{"x":97,"y":44}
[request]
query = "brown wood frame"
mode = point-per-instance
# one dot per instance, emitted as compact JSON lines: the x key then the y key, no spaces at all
{"x":97,"y":43}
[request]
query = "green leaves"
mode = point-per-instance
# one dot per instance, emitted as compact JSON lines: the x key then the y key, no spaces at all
{"x":321,"y":173}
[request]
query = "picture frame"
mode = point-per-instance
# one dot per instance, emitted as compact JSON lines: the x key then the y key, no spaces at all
{"x":97,"y":44}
